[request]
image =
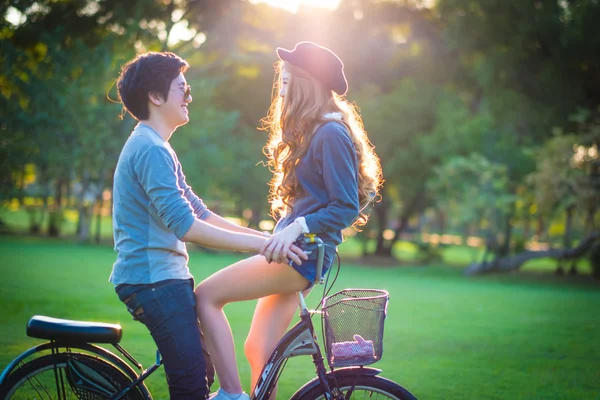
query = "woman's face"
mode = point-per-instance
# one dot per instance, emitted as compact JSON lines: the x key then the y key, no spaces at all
{"x":285,"y":79}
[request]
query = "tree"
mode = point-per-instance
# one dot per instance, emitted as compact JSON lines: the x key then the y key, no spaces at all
{"x":58,"y":65}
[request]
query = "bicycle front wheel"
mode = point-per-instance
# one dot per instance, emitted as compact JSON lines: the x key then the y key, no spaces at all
{"x":68,"y":376}
{"x":352,"y":387}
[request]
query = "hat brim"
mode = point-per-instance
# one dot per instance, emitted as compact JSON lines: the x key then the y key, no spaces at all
{"x":284,"y":54}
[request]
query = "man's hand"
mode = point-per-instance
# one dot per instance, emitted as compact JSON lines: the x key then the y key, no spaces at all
{"x":280,"y":248}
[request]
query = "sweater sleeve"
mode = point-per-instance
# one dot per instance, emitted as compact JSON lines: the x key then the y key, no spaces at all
{"x":335,"y":152}
{"x":157,"y":173}
{"x":200,"y":210}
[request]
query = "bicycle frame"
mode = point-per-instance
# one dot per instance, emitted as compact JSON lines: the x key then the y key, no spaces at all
{"x":139,"y":379}
{"x":299,"y":340}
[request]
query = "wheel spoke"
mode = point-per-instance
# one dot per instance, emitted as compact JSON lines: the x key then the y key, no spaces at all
{"x":39,"y":386}
{"x":35,"y":378}
{"x":49,"y":377}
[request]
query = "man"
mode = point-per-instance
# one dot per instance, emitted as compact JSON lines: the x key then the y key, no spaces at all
{"x":156,"y":212}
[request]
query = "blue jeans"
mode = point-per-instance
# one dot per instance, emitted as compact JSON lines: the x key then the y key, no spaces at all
{"x":168,"y":309}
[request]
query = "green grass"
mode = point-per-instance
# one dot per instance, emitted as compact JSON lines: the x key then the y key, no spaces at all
{"x":519,"y":336}
{"x":17,"y":221}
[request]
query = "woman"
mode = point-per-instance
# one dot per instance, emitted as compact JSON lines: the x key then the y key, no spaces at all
{"x":325,"y":173}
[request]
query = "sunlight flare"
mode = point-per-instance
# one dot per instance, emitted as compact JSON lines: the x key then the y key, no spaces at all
{"x":294,"y":5}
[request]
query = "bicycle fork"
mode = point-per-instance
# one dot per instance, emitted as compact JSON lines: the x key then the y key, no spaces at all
{"x":322,"y":375}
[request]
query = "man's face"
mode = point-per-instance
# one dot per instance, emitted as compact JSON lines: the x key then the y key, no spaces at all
{"x":175,"y":109}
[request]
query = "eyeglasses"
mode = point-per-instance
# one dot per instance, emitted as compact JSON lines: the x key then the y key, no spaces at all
{"x":187,"y":92}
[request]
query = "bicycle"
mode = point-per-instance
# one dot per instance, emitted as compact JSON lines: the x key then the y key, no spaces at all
{"x":76,"y":367}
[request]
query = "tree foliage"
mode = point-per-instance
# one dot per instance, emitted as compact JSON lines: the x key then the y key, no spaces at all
{"x":482,"y":110}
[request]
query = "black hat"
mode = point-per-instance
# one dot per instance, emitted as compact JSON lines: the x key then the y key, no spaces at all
{"x":320,"y":62}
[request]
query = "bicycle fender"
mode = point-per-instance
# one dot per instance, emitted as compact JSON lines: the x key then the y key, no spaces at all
{"x":347,"y":371}
{"x":99,"y":351}
{"x":14,"y":363}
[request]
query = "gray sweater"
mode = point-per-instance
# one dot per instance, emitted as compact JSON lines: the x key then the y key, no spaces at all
{"x":153,"y":208}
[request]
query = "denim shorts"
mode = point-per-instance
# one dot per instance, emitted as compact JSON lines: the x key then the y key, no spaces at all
{"x":308,"y":268}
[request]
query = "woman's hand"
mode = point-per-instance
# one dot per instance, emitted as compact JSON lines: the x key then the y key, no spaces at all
{"x":280,"y":248}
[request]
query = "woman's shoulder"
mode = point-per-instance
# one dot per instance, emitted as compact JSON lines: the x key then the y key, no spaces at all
{"x":332,"y":130}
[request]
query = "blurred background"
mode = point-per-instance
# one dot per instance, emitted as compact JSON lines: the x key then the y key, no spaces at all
{"x":485,"y":113}
{"x":486,"y":117}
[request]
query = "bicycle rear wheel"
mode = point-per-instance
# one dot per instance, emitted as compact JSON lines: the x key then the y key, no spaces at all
{"x":68,"y":376}
{"x":352,"y":387}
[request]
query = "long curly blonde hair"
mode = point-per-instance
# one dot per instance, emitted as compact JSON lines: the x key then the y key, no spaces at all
{"x":292,"y":121}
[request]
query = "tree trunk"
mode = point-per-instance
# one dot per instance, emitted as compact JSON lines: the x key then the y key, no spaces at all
{"x":381,"y":210}
{"x":441,"y":221}
{"x":170,"y":25}
{"x":21,"y":192}
{"x":527,"y":225}
{"x":491,"y":246}
{"x":45,"y":193}
{"x":540,"y":229}
{"x":595,"y":195}
{"x":513,"y":263}
{"x":364,"y":244}
{"x":84,"y":212}
{"x":505,"y":250}
{"x":84,"y":222}
{"x":55,"y":215}
{"x":416,"y":205}
{"x":100,"y":200}
{"x":44,"y":211}
{"x":34,"y":226}
{"x":256,"y":217}
{"x":589,"y":225}
{"x":100,"y":203}
{"x":567,"y":240}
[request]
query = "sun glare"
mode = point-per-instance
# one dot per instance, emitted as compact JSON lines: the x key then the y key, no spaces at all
{"x":14,"y":16}
{"x":295,"y":5}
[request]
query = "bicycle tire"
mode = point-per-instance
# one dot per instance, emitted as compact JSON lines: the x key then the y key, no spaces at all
{"x":37,"y":377}
{"x":366,"y":386}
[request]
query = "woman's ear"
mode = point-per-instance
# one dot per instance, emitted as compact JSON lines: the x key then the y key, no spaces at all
{"x":154,"y":98}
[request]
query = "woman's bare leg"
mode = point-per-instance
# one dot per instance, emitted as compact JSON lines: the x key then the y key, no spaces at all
{"x":249,"y":279}
{"x":272,"y":317}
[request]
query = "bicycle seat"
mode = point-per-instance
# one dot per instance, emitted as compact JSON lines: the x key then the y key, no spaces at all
{"x":42,"y":327}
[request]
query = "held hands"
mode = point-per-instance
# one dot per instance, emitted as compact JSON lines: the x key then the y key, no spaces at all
{"x":279,"y":248}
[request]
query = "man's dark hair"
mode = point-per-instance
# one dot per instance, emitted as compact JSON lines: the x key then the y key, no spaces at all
{"x":147,"y":73}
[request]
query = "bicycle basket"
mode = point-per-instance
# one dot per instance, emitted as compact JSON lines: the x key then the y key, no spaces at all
{"x":353,"y":326}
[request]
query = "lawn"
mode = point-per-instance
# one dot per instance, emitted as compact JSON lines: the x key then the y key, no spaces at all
{"x":520,"y":336}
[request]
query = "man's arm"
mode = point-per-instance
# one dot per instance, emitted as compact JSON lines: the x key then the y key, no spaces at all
{"x":157,"y":175}
{"x":211,"y":235}
{"x":222,"y":223}
{"x":201,"y":211}
{"x":208,"y":235}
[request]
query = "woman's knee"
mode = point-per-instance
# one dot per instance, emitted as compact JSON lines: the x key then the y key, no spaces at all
{"x":206,"y":296}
